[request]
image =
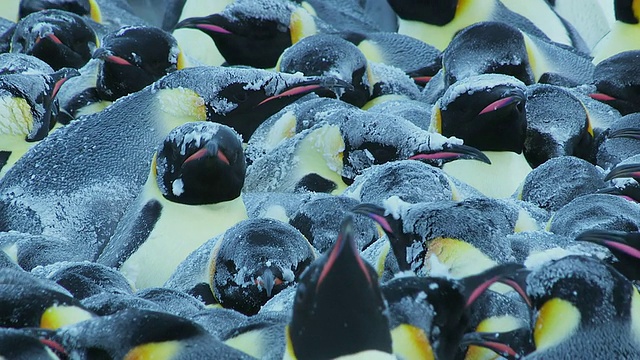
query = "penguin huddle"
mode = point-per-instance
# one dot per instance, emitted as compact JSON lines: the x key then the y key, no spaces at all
{"x":283,"y":179}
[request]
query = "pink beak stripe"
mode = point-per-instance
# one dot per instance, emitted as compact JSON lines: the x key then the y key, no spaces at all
{"x":436,"y":156}
{"x":629,"y":250}
{"x":498,"y":105}
{"x":222,"y":157}
{"x":213,"y":28}
{"x":627,"y":198}
{"x":53,"y":345}
{"x":196,"y":155}
{"x":422,"y":79}
{"x":500,"y":348}
{"x":601,"y":97}
{"x":57,"y":86}
{"x":332,"y":259}
{"x":290,"y":92}
{"x":518,"y":289}
{"x":382,"y":221}
{"x":117,"y":60}
{"x":480,"y":289}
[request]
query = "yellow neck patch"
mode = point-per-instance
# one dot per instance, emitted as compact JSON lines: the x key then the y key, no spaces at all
{"x":180,"y":106}
{"x":321,"y":152}
{"x":165,"y":350}
{"x":411,"y":343}
{"x":95,"y":13}
{"x":251,"y":343}
{"x":15,"y":116}
{"x":557,"y":320}
{"x":58,"y":316}
{"x":455,"y":254}
{"x":301,"y":25}
{"x":635,"y":315}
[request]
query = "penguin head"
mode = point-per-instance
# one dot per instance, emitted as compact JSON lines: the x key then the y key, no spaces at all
{"x":616,"y":81}
{"x":330,"y":55}
{"x":575,"y":293}
{"x":338,"y":308}
{"x":254,"y":101}
{"x":249,"y":32}
{"x":59,"y":38}
{"x":134,"y":57}
{"x":29,"y":301}
{"x":437,"y":12}
{"x":487,"y":48}
{"x":33,"y":97}
{"x":87,"y":8}
{"x":392,"y":226}
{"x":200,"y":163}
{"x":486,"y":111}
{"x":372,"y":138}
{"x":627,"y":11}
{"x":255,"y":260}
{"x":439,"y":307}
{"x":625,"y":246}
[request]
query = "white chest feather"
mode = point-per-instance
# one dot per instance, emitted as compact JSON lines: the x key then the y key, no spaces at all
{"x":498,"y":180}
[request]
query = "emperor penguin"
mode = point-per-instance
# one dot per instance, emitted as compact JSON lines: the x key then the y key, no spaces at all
{"x":88,"y":166}
{"x":191,"y":195}
{"x":625,"y":246}
{"x":134,"y":57}
{"x":254,"y":33}
{"x":245,"y":267}
{"x":32,"y":302}
{"x":328,"y":156}
{"x":86,"y":8}
{"x":429,"y":315}
{"x":29,"y":108}
{"x":437,"y":22}
{"x":583,"y":307}
{"x":198,"y":47}
{"x":339,"y":309}
{"x":624,"y":34}
{"x":143,"y":334}
{"x":488,"y":112}
{"x":66,"y":41}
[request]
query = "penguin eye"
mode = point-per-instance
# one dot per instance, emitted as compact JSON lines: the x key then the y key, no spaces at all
{"x":240,"y":97}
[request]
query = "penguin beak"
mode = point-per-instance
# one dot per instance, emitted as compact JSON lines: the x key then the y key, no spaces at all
{"x":106,"y":55}
{"x":630,"y":193}
{"x":622,"y":171}
{"x":476,"y":285}
{"x":376,"y":213}
{"x":502,"y":103}
{"x":451,"y":152}
{"x":631,"y":133}
{"x":60,"y":77}
{"x":421,"y":80}
{"x":602,"y":97}
{"x":206,"y":24}
{"x":267,"y":281}
{"x":344,"y":250}
{"x":494,"y":341}
{"x":613,"y":240}
{"x":210,"y":148}
{"x":308,"y":86}
{"x":51,"y":37}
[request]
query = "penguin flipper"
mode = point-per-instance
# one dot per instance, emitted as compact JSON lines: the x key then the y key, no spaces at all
{"x":131,"y":236}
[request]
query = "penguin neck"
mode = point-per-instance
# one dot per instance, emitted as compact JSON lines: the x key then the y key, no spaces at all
{"x":622,"y":37}
{"x":467,"y":13}
{"x":321,"y":153}
{"x":500,"y":179}
{"x":180,"y":230}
